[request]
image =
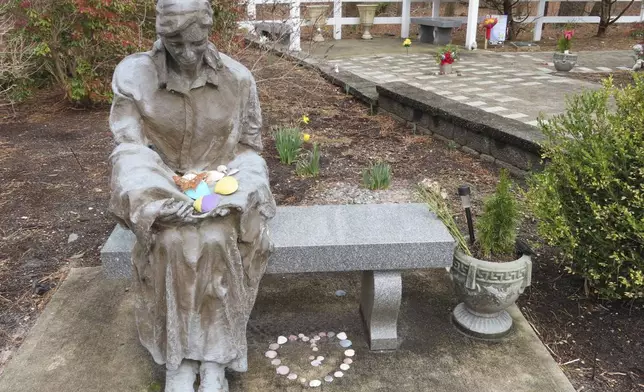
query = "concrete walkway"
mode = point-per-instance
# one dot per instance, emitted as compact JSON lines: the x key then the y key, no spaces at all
{"x":516,"y":85}
{"x":86,"y":341}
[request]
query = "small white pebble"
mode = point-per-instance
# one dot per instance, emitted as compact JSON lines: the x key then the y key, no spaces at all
{"x":348,"y":361}
{"x":349,"y":353}
{"x":315,"y":383}
{"x":276,"y":362}
{"x":315,"y":363}
{"x":342,"y":336}
{"x":345,"y":367}
{"x":328,"y":378}
{"x":301,"y":335}
{"x":305,"y":339}
{"x":282,"y":340}
{"x":273,"y":346}
{"x":292,"y":376}
{"x":315,"y":349}
{"x":330,"y":334}
{"x":311,"y":358}
{"x":338,"y":374}
{"x":320,"y":358}
{"x":322,"y":334}
{"x":316,"y":337}
{"x":283,"y":370}
{"x":271,"y":354}
{"x":302,"y":380}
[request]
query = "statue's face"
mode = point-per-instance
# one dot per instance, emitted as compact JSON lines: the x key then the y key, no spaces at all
{"x":188,"y":46}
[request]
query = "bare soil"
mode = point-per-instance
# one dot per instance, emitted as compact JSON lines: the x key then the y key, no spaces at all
{"x":55,"y":176}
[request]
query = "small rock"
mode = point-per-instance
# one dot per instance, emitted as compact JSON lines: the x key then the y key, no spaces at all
{"x":348,"y":361}
{"x":275,"y":346}
{"x":349,"y":353}
{"x":276,"y":362}
{"x":271,"y":354}
{"x":316,"y":363}
{"x":292,"y":338}
{"x":301,"y":335}
{"x":342,"y":336}
{"x":322,"y":334}
{"x":328,"y":378}
{"x":72,"y":237}
{"x":283,"y":370}
{"x":316,"y":338}
{"x":305,"y":339}
{"x":222,"y":169}
{"x":315,"y":383}
{"x":330,"y":334}
{"x":338,"y":374}
{"x":282,"y":340}
{"x":345,"y":367}
{"x":345,"y":343}
{"x":303,"y":380}
{"x":292,"y":376}
{"x":340,"y":293}
{"x":312,"y":358}
{"x":315,"y":349}
{"x":320,"y":358}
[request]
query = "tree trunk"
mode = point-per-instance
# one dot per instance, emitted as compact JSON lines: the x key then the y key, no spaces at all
{"x":604,"y":17}
{"x":508,"y":6}
{"x":597,"y":9}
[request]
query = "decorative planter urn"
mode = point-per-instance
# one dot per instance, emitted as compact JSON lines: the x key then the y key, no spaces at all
{"x":445,"y":69}
{"x":564,"y":62}
{"x":367,"y":14}
{"x":485,"y":290}
{"x":317,"y":16}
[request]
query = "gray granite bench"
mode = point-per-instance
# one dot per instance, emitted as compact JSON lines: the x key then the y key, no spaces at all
{"x":276,"y":31}
{"x":380,"y":240}
{"x":436,"y":31}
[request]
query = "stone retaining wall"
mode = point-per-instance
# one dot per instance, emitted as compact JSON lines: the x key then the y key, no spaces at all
{"x":509,"y":143}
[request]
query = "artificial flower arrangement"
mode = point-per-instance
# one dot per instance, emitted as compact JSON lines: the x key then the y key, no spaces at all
{"x":565,"y":42}
{"x":446,"y":57}
{"x":488,"y":24}
{"x":407,"y":44}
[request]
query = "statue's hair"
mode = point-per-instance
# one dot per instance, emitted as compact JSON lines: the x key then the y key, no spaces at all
{"x":175,"y":15}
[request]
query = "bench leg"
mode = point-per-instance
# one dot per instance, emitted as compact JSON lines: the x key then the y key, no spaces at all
{"x":426,"y":34}
{"x":442,"y":35}
{"x":380,"y":304}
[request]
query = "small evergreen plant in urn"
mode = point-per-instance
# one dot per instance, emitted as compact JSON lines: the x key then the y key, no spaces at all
{"x":563,"y":59}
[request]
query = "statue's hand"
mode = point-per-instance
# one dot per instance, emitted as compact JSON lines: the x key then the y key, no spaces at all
{"x":175,"y":212}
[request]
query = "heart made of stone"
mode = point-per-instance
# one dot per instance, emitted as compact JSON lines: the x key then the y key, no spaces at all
{"x":311,"y":360}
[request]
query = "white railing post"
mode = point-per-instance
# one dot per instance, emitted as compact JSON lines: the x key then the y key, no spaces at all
{"x":251,"y":10}
{"x":436,"y":8}
{"x":472,"y":24}
{"x":337,"y":19}
{"x":406,"y":18}
{"x":642,"y":12}
{"x":296,"y":23}
{"x":538,"y":23}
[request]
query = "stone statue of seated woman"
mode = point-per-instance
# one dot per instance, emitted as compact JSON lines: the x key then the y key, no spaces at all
{"x":183,"y":107}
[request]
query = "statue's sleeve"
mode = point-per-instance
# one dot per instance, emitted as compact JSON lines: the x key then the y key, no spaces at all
{"x":141,"y":182}
{"x":252,"y":129}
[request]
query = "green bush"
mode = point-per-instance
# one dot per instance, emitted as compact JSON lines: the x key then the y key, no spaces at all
{"x":308,"y":165}
{"x":589,"y":200}
{"x":288,"y":142}
{"x":497,"y":226}
{"x":377,"y":176}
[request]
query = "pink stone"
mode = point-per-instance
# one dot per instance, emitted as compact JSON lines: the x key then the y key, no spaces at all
{"x":292,"y":338}
{"x":283,"y":370}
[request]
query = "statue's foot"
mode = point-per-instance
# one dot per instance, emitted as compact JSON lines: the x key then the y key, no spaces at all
{"x":213,"y":378}
{"x":182,"y":379}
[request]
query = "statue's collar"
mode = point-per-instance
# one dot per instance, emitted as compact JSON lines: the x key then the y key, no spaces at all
{"x":171,"y":81}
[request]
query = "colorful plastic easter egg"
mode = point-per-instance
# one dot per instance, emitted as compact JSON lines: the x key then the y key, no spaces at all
{"x":226,"y":186}
{"x":201,"y":190}
{"x":207,"y":203}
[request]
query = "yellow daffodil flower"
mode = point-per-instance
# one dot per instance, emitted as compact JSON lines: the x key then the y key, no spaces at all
{"x":306,"y":137}
{"x":305,"y":119}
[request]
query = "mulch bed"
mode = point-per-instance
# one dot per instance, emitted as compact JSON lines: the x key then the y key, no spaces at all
{"x":53,"y":165}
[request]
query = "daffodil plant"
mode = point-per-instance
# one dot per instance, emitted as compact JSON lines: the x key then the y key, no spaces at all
{"x":407,"y":44}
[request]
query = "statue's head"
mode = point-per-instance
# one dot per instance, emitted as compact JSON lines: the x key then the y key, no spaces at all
{"x":184,"y":27}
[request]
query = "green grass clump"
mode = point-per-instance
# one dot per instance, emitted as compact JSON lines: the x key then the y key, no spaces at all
{"x":497,"y":226}
{"x":308,"y":165}
{"x":377,"y":176}
{"x":288,"y":142}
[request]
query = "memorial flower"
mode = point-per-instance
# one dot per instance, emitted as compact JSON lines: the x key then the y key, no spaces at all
{"x":306,"y":137}
{"x":446,"y":55}
{"x":407,"y":43}
{"x":565,"y":43}
{"x":306,"y":119}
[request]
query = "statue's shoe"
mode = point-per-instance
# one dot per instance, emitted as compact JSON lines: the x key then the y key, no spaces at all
{"x":213,"y":378}
{"x":182,"y":379}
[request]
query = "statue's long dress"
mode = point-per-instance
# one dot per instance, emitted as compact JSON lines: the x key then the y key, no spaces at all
{"x":196,"y":284}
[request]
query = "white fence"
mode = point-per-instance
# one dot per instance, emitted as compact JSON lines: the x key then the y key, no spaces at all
{"x":337,"y":20}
